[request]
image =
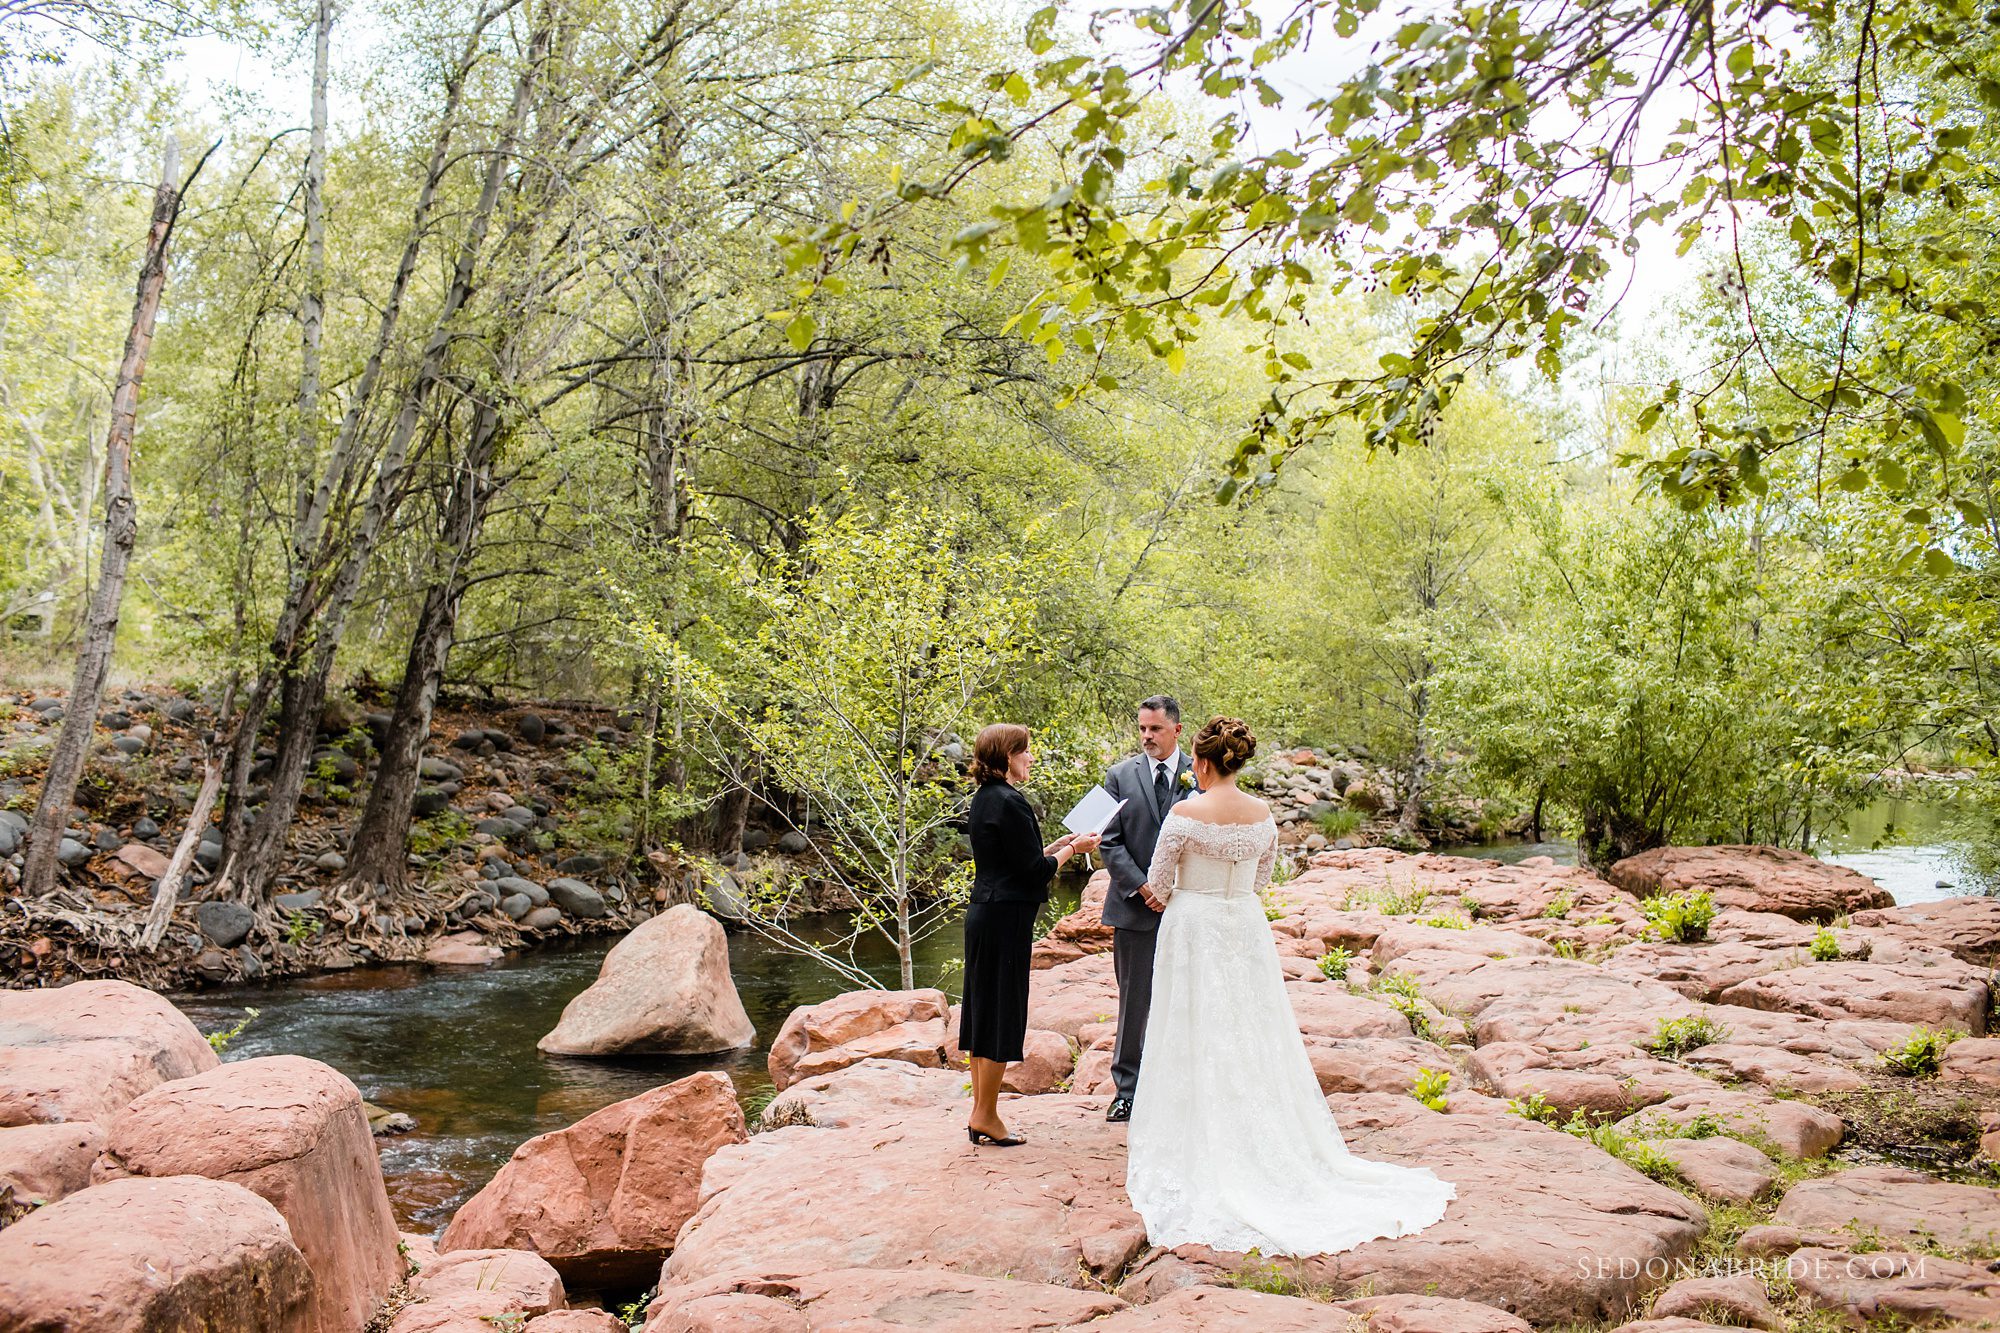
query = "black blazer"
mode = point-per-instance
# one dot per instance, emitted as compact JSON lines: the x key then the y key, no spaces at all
{"x":1007,"y":861}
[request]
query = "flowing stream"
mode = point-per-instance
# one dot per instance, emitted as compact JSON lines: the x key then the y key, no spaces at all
{"x":455,"y":1048}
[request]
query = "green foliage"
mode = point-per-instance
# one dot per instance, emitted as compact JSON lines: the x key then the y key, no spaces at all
{"x":1825,"y":946}
{"x":1340,"y":822}
{"x":302,"y":927}
{"x":1679,"y":916}
{"x":1446,"y":921}
{"x":1559,"y":906}
{"x":1921,"y":1054}
{"x":1675,"y":1037}
{"x":1429,"y":1087}
{"x":439,"y":833}
{"x":1333,"y":964}
{"x":1534,"y":1107}
{"x":1386,"y":899}
{"x":219,"y":1041}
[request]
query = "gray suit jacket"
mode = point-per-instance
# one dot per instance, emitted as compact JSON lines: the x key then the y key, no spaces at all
{"x":1131,"y":835}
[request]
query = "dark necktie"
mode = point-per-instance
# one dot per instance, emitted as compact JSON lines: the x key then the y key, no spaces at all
{"x":1160,"y":788}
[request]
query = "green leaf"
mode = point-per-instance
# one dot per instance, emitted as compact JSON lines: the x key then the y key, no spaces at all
{"x":801,"y":331}
{"x":1939,"y":565}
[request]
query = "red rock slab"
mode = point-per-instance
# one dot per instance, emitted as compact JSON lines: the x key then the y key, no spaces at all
{"x":1431,"y":1314}
{"x":866,"y":1090}
{"x":180,"y":1255}
{"x":1555,"y":1003}
{"x":465,"y":949}
{"x":1489,"y":941}
{"x":910,"y":1192}
{"x":1773,"y":1067}
{"x":574,"y":1321}
{"x":1975,"y":1060}
{"x":1375,"y":1064}
{"x":1229,"y":1311}
{"x":1698,"y":971}
{"x":504,"y":1281}
{"x":1736,"y":1300}
{"x":858,"y":1021}
{"x":1068,"y":998}
{"x":1080,"y":933}
{"x":1724,"y":1169}
{"x":1968,"y":927}
{"x":43,"y":1163}
{"x":81,"y":1051}
{"x":1938,"y":997}
{"x":294,"y":1132}
{"x":861,"y":1299}
{"x":1791,"y":1129}
{"x":1754,"y":878}
{"x":603,"y":1199}
{"x":1886,"y":1286}
{"x":1677,"y":1326}
{"x":1612,"y":1079}
{"x":1334,"y":1013}
{"x":664,"y":989}
{"x":1899,"y":1207}
{"x":1545,"y":1226}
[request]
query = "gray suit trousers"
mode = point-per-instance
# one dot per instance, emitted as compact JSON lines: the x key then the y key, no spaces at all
{"x":1132,"y":960}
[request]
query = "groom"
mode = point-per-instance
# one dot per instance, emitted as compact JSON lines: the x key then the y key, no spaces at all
{"x":1149,"y":783}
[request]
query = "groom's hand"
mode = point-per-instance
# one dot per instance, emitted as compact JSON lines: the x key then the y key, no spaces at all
{"x":1146,"y":892}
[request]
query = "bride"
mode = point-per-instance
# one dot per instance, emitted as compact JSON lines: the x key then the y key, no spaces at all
{"x":1231,"y":1144}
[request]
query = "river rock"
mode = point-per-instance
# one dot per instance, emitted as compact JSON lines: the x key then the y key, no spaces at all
{"x":292,"y":1131}
{"x":1720,"y":1168}
{"x":1787,"y":1128}
{"x":306,"y":900}
{"x":513,"y":884}
{"x":1897,"y":1206}
{"x":663,"y":989}
{"x":577,"y":898}
{"x":1757,"y":879}
{"x":603,"y":1199}
{"x":1954,"y":996}
{"x":541,"y":918}
{"x":82,"y":1051}
{"x":43,"y":1163}
{"x":868,"y":1090}
{"x":71,"y":853}
{"x":179,"y":1255}
{"x":226,"y":924}
{"x":912,"y":1026}
{"x":931,"y":1299}
{"x":461,"y":950}
{"x":515,"y":906}
{"x":1888,"y":1288}
{"x":479,"y":1291}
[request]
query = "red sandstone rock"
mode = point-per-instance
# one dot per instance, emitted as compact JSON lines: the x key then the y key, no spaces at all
{"x":868,"y":1090}
{"x":602,"y":1200}
{"x":866,"y":1298}
{"x":179,"y":1255}
{"x":1899,"y":1207}
{"x":1790,"y":1128}
{"x":574,"y":1321}
{"x":462,"y":950}
{"x":1756,"y":879}
{"x":502,"y":1281}
{"x":1068,"y":998}
{"x":1677,"y":1326}
{"x":1698,"y":971}
{"x":43,"y":1163}
{"x":1888,"y":1287}
{"x":1736,"y":1301}
{"x":1218,"y":1310}
{"x":1080,"y":933}
{"x":1967,"y":927}
{"x":1773,"y":1067}
{"x":860,"y":1022}
{"x":1725,"y":1169}
{"x":81,"y":1051}
{"x":664,"y":989}
{"x":1612,"y":1079}
{"x":1431,"y":1314}
{"x":1492,"y":942}
{"x":1975,"y":1060}
{"x":293,"y":1131}
{"x":1940,"y":997}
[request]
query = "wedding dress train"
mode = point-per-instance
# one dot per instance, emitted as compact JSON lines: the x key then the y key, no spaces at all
{"x":1231,"y":1143}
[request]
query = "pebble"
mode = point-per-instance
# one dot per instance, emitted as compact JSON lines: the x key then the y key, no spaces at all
{"x":332,"y":861}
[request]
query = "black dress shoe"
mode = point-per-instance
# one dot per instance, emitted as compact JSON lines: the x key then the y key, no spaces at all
{"x":1121,"y":1109}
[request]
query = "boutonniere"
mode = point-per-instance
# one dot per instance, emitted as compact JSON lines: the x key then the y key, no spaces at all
{"x":1187,"y":779}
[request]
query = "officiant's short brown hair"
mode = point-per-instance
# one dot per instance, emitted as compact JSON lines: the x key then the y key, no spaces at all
{"x":993,"y":747}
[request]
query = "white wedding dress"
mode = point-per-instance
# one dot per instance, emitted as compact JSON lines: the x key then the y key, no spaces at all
{"x":1232,"y":1144}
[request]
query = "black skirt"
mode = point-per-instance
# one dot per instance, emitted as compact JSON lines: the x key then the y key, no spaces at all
{"x":999,"y":937}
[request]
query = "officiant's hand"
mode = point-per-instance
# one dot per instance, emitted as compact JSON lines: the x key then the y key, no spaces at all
{"x":1086,"y":844}
{"x":1057,"y":847}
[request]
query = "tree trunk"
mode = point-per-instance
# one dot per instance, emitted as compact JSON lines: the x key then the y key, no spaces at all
{"x":121,"y":528}
{"x":1419,"y":772}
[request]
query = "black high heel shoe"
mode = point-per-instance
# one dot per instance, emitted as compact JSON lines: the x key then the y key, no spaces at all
{"x":981,"y":1137}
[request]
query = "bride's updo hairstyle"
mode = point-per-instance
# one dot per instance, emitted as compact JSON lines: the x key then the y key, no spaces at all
{"x":1225,"y":742}
{"x":993,"y":747}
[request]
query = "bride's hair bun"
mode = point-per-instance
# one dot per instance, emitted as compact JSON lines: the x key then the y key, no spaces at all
{"x":1225,"y":742}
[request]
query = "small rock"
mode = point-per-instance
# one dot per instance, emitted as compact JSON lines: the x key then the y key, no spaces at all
{"x":461,"y":950}
{"x":331,"y":861}
{"x":794,"y":843}
{"x":516,"y":905}
{"x":1737,"y":1300}
{"x":583,"y":863}
{"x":247,"y":959}
{"x":576,"y":898}
{"x":226,"y":924}
{"x":107,"y":840}
{"x":115,"y":721}
{"x":128,"y":744}
{"x":183,"y":710}
{"x":144,"y":829}
{"x":541,"y":918}
{"x":72,"y":853}
{"x":213,"y":965}
{"x":531,"y":728}
{"x":304,"y":901}
{"x":437,"y":770}
{"x":429,"y":801}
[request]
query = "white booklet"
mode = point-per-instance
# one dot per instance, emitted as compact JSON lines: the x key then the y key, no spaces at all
{"x":1092,"y":813}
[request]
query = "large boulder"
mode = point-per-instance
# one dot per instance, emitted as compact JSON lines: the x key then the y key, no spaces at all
{"x":665,"y":989}
{"x":43,"y":1163}
{"x":1080,"y":933}
{"x":480,"y":1291}
{"x":82,"y":1051}
{"x":603,"y":1199}
{"x":179,"y":1255}
{"x":1545,"y":1226}
{"x":912,"y":1026}
{"x":1888,"y":1204}
{"x":931,"y":1299}
{"x":865,"y":1091}
{"x":294,"y":1132}
{"x":1072,"y":996}
{"x":1756,"y":879}
{"x":1967,"y":927}
{"x":1953,"y":995}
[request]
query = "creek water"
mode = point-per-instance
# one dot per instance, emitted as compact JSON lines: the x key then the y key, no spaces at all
{"x":455,"y":1048}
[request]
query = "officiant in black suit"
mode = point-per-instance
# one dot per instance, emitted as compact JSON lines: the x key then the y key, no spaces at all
{"x":1150,"y":783}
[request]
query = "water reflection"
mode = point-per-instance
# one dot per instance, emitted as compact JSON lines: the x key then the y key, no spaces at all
{"x":455,"y":1048}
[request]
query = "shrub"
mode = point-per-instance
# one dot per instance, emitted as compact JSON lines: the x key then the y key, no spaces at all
{"x":1825,"y":946}
{"x":1446,"y":921}
{"x":1535,"y":1107}
{"x":1565,"y":948}
{"x":1341,"y":822}
{"x":1333,"y":964}
{"x":219,"y":1041}
{"x":1677,"y":1036}
{"x":1920,"y":1055}
{"x":1680,"y":916}
{"x":1429,"y":1088}
{"x":1388,"y":899}
{"x":1560,"y":905}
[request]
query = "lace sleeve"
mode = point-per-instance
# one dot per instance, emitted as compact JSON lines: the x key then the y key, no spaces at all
{"x":1268,"y":861}
{"x":1166,"y":857}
